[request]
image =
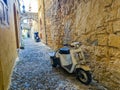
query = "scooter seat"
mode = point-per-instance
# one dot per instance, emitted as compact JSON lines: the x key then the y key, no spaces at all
{"x":64,"y":50}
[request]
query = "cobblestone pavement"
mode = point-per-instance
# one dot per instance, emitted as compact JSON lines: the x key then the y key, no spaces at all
{"x":33,"y":71}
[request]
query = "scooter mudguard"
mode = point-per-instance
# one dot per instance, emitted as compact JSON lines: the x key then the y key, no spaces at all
{"x":84,"y":67}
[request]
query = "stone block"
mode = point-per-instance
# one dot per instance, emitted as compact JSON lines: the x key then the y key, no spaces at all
{"x":116,"y":26}
{"x":114,"y":41}
{"x":100,"y":51}
{"x":102,"y":39}
{"x":118,"y":33}
{"x":109,"y":27}
{"x":114,"y":67}
{"x":114,"y":52}
{"x":118,"y":13}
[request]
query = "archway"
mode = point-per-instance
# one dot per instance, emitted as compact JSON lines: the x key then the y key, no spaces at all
{"x":29,"y":27}
{"x":28,"y":15}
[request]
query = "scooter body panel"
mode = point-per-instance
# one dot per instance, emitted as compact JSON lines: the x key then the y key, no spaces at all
{"x":84,"y":67}
{"x":65,"y":59}
{"x":67,"y":62}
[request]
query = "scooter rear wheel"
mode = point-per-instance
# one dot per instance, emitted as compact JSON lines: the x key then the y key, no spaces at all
{"x":84,"y":76}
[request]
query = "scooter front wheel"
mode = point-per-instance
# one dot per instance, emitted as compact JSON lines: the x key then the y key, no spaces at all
{"x":84,"y":76}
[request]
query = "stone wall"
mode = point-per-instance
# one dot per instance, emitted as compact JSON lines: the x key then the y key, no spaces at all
{"x":95,"y":23}
{"x":41,"y":24}
{"x":54,"y":24}
{"x":7,"y":47}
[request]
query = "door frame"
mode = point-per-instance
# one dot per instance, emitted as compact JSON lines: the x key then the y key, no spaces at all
{"x":16,"y":26}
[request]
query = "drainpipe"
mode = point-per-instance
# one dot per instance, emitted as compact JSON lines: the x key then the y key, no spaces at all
{"x":45,"y":22}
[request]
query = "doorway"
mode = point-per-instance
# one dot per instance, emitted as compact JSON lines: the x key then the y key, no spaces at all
{"x":16,"y":26}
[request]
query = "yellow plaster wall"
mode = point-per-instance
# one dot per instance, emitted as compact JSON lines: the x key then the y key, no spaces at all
{"x":8,"y":50}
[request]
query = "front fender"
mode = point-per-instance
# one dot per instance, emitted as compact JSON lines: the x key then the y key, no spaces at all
{"x":84,"y":67}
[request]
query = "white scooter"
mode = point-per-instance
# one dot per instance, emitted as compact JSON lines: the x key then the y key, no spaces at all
{"x":72,"y":59}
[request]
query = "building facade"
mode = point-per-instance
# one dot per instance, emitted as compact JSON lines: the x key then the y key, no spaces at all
{"x":9,"y":39}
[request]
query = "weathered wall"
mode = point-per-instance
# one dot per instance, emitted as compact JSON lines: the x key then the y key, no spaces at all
{"x":95,"y":23}
{"x":7,"y":48}
{"x":42,"y":23}
{"x":55,"y":27}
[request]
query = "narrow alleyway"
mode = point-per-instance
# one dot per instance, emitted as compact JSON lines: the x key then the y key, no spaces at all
{"x":33,"y":71}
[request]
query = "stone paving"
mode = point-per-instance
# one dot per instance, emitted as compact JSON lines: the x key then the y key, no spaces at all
{"x":33,"y":71}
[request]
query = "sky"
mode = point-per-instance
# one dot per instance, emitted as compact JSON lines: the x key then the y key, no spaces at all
{"x":32,"y":3}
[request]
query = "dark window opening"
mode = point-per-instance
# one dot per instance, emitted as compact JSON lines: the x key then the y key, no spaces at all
{"x":5,"y":1}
